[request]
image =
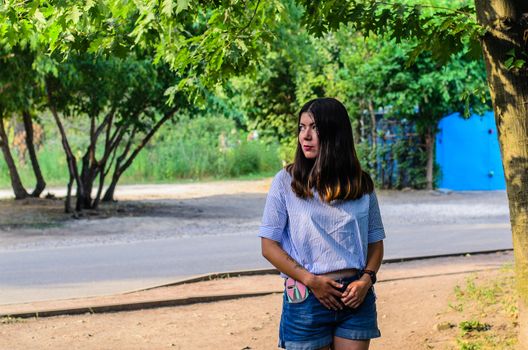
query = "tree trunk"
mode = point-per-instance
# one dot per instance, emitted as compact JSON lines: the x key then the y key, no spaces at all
{"x":87,"y":178}
{"x":70,"y":157}
{"x":362,"y":122}
{"x":109,"y":151}
{"x":110,"y":191}
{"x":97,"y":198}
{"x":429,"y":145}
{"x":67,"y":201}
{"x":16,"y":182}
{"x":109,"y":194}
{"x":508,"y":29}
{"x":89,"y":166}
{"x":120,"y":169}
{"x":28,"y":126}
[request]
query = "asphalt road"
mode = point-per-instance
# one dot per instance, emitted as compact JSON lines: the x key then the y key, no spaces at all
{"x":416,"y":225}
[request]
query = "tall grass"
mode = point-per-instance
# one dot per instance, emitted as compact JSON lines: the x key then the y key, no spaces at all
{"x":200,"y":148}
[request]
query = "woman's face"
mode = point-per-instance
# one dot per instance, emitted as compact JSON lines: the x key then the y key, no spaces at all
{"x":308,"y":137}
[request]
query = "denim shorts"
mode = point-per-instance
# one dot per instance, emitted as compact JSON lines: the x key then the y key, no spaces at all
{"x":309,"y":325}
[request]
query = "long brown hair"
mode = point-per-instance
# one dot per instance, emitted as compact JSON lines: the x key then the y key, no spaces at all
{"x":336,"y":172}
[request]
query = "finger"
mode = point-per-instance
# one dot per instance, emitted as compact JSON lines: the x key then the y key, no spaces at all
{"x":347,"y":300}
{"x":356,"y":303}
{"x":354,"y":295}
{"x":328,"y":302}
{"x":336,"y":305}
{"x":325,"y":303}
{"x":331,"y":302}
{"x":353,"y":306}
{"x":352,"y":286}
{"x":350,"y":299}
{"x":350,"y":304}
{"x":349,"y":294}
{"x":336,"y":284}
{"x":328,"y":305}
{"x":347,"y":291}
{"x":335,"y":293}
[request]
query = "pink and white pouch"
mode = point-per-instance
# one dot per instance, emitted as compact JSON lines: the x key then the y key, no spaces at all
{"x":296,"y":291}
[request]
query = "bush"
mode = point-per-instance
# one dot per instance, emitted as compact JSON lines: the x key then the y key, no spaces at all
{"x":201,"y":147}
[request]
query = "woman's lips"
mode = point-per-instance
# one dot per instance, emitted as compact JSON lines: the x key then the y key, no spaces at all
{"x":308,"y":148}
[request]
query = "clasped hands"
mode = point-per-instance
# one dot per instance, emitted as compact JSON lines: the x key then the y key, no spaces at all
{"x":326,"y":290}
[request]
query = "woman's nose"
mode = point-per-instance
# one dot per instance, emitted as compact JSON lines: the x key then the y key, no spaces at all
{"x":307,"y":134}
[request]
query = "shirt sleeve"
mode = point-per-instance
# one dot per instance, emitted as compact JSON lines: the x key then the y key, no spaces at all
{"x":275,"y":214}
{"x":376,"y":232}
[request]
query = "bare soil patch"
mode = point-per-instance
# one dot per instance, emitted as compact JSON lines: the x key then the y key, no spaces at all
{"x":412,"y":314}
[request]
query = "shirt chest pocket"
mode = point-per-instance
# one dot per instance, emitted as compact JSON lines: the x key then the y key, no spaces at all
{"x":353,"y":232}
{"x":349,"y":234}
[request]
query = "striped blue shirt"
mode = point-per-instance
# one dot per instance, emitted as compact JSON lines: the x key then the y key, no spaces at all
{"x":322,"y":237}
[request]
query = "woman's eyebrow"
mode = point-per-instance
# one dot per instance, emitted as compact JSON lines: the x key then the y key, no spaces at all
{"x":308,"y":124}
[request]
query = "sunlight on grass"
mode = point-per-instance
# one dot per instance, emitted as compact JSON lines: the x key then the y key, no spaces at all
{"x":490,"y":309}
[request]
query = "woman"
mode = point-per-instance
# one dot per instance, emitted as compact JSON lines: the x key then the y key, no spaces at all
{"x":322,"y":230}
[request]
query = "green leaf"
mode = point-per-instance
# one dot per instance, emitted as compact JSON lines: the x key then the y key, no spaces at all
{"x":167,"y":7}
{"x":519,"y":63}
{"x":88,"y":5}
{"x":170,"y":93}
{"x":509,"y":62}
{"x":39,"y":16}
{"x":182,"y":5}
{"x":74,"y":14}
{"x":475,"y":50}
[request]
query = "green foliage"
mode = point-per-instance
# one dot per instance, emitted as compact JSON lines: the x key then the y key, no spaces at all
{"x":473,"y":326}
{"x":188,"y":149}
{"x":267,"y":95}
{"x":361,"y":57}
{"x":515,"y":60}
{"x":17,"y":81}
{"x":201,"y":148}
{"x":202,"y":42}
{"x":468,"y":346}
{"x":363,"y":72}
{"x":440,"y":27}
{"x":486,"y":295}
{"x":84,"y":52}
{"x":479,"y":302}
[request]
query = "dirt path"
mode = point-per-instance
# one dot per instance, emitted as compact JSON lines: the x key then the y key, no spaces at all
{"x":411,"y":306}
{"x":408,"y":311}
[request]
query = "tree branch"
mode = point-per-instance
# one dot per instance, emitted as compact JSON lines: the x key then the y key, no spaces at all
{"x":250,"y":20}
{"x":147,"y":138}
{"x":71,"y":161}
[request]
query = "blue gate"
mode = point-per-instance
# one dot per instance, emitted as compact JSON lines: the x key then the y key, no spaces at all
{"x":468,"y":153}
